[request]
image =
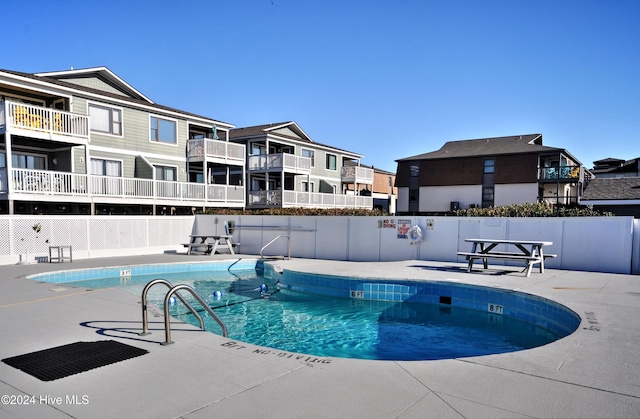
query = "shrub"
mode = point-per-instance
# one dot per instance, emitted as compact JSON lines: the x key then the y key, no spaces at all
{"x":533,"y":210}
{"x":301,"y":211}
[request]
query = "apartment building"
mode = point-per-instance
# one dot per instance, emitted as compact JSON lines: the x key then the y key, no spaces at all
{"x":383,"y":190}
{"x":488,"y":172}
{"x":85,"y":141}
{"x":615,"y":187}
{"x":286,"y":168}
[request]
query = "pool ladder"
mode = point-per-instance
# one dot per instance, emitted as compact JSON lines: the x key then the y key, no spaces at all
{"x":271,"y":242}
{"x":167,"y":320}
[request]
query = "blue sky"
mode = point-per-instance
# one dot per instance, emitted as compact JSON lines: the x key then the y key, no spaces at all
{"x":386,"y":79}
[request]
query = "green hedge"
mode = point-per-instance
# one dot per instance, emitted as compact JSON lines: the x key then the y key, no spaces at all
{"x":533,"y":210}
{"x":301,"y":211}
{"x":523,"y":210}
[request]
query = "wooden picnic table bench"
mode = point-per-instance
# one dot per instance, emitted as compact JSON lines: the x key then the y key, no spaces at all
{"x":529,"y":251}
{"x":210,"y":242}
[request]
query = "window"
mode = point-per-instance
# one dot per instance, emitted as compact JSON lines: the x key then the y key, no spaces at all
{"x":104,"y":119}
{"x":106,"y":185}
{"x":310,"y":154}
{"x":165,"y":173}
{"x":414,"y":169}
{"x":258,"y":149}
{"x":307,"y":186}
{"x":194,"y":135}
{"x":489,"y":165}
{"x":332,"y":162}
{"x":487,"y":195}
{"x":102,"y":167}
{"x":289,"y":182}
{"x":163,"y":130}
{"x":24,"y":161}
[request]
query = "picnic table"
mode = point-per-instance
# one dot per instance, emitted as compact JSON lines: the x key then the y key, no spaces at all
{"x":529,"y":251}
{"x":210,"y":242}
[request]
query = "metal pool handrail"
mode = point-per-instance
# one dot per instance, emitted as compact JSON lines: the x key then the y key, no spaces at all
{"x":167,"y":323}
{"x":145,"y":322}
{"x":288,"y":245}
{"x":167,"y":320}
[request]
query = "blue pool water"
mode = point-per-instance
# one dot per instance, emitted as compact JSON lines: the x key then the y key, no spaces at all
{"x":361,"y":326}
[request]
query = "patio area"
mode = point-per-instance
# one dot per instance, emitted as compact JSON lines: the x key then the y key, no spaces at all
{"x":593,"y":372}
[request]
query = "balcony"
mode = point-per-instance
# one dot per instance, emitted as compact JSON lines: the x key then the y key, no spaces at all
{"x":295,"y":199}
{"x":283,"y":162}
{"x":559,"y":200}
{"x":54,"y":186}
{"x":357,"y":174}
{"x":216,"y":151}
{"x":43,"y":123}
{"x":559,"y":173}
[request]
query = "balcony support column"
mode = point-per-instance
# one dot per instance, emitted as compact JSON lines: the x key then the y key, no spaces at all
{"x":9,"y":162}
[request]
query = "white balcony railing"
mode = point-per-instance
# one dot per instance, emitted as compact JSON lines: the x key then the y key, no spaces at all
{"x":283,"y":199}
{"x":226,"y":193}
{"x":357,"y":174}
{"x":21,"y":116}
{"x":216,"y":149}
{"x":280,"y":161}
{"x":44,"y":182}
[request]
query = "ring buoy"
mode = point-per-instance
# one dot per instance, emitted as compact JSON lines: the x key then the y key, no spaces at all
{"x":414,"y":234}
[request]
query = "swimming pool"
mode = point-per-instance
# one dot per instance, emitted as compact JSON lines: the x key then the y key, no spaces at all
{"x":369,"y":318}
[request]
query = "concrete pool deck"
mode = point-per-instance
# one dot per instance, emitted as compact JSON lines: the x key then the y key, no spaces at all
{"x":594,"y":372}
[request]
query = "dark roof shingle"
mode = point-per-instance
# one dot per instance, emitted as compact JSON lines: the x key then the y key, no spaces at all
{"x":487,"y":146}
{"x":612,"y":188}
{"x":132,"y":100}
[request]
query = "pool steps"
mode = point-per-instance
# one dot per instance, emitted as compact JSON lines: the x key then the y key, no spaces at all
{"x":173,"y":289}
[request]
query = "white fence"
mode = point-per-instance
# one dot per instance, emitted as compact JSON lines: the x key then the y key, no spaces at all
{"x":599,"y":244}
{"x":90,"y":236}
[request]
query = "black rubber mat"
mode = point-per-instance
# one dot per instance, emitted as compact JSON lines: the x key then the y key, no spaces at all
{"x":63,"y":361}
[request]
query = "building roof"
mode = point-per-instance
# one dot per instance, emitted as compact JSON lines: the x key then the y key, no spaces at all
{"x":516,"y":144}
{"x":375,"y":169}
{"x":608,"y":162}
{"x":279,"y":129}
{"x":138,"y":99}
{"x":612,"y":188}
{"x":102,"y":72}
{"x":261,"y":130}
{"x":616,"y":166}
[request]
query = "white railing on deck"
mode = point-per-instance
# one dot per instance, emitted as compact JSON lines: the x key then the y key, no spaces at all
{"x":283,"y":199}
{"x":225,"y":193}
{"x":40,"y":119}
{"x":46,"y":182}
{"x":120,"y":187}
{"x":357,"y":174}
{"x":297,"y":163}
{"x":216,"y":149}
{"x":180,"y":190}
{"x":280,"y":161}
{"x":41,"y":181}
